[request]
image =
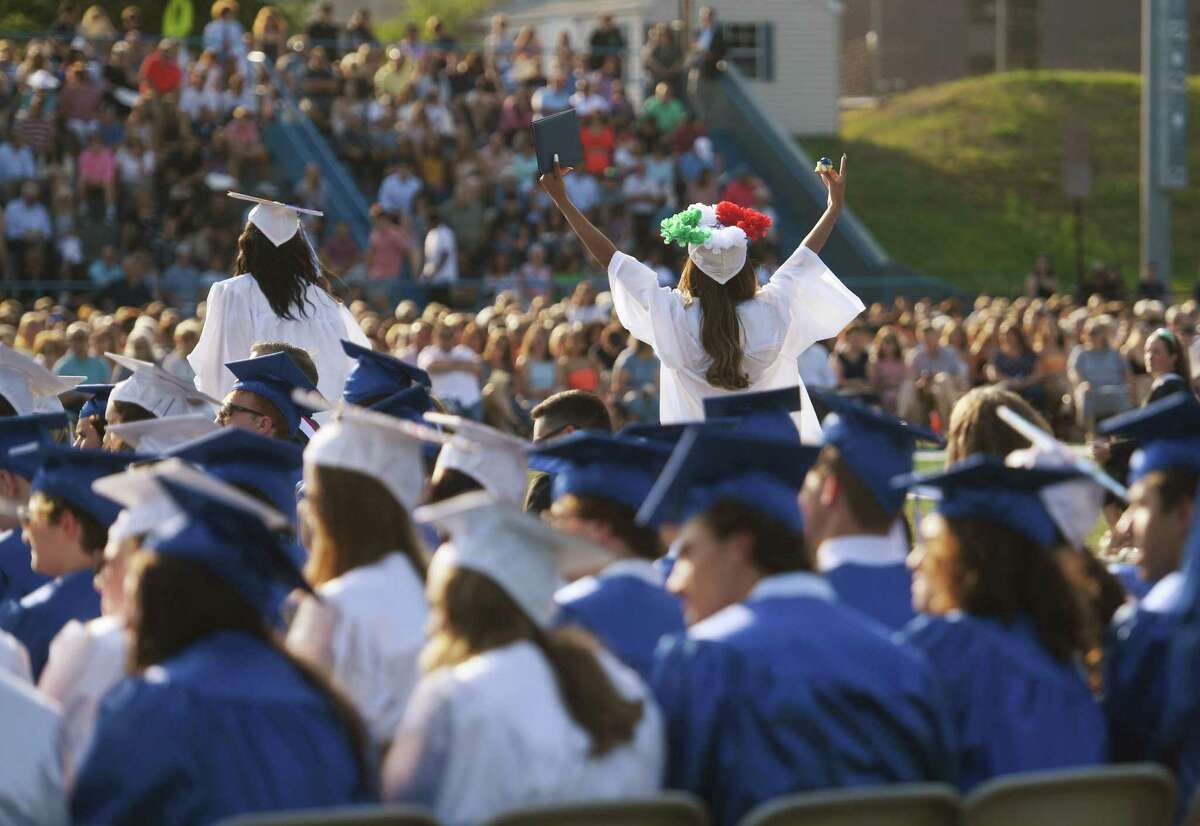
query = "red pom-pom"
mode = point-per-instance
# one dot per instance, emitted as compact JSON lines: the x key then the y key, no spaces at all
{"x":751,"y":222}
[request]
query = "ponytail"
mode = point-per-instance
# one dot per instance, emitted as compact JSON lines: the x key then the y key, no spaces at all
{"x":720,"y":328}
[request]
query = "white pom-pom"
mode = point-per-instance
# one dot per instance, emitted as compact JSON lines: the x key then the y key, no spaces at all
{"x":708,"y":215}
{"x":724,"y":238}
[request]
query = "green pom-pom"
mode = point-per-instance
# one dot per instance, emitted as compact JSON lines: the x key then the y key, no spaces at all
{"x":684,"y":228}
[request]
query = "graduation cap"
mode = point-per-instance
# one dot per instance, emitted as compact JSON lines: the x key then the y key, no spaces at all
{"x":157,"y":390}
{"x":494,"y":459}
{"x":249,"y":461}
{"x":279,"y":222}
{"x":875,"y":446}
{"x":765,"y":475}
{"x":68,"y":473}
{"x":28,"y":386}
{"x":670,"y":434}
{"x":520,"y":553}
{"x":411,"y":404}
{"x":17,"y":431}
{"x":97,"y":399}
{"x":376,"y":375}
{"x":766,"y":413}
{"x":383,"y":447}
{"x":613,"y":467}
{"x":153,"y":436}
{"x":984,"y":487}
{"x":275,"y":377}
{"x":1167,"y":432}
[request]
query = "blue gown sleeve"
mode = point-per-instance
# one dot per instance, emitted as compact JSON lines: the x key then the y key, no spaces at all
{"x":1137,"y":650}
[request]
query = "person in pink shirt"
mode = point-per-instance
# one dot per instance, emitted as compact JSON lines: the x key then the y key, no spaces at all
{"x":98,"y":173}
{"x":387,"y":248}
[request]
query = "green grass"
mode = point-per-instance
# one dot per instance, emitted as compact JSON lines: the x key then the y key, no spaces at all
{"x":964,"y":180}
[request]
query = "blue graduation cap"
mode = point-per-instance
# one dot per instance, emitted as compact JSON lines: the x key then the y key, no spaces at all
{"x":984,"y":487}
{"x":670,"y":434}
{"x":234,"y":543}
{"x":766,"y":414}
{"x":763,"y":474}
{"x":67,"y":473}
{"x":411,"y":403}
{"x":98,"y":401}
{"x":275,"y":377}
{"x":875,"y":446}
{"x":246,"y":460}
{"x":601,"y":464}
{"x":16,"y":431}
{"x":1168,"y":433}
{"x":377,"y":375}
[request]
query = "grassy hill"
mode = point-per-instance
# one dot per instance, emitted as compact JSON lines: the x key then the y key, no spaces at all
{"x":964,"y":180}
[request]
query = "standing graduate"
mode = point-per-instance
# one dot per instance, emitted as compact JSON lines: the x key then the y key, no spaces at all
{"x":90,"y":423}
{"x":776,"y":687}
{"x":66,"y":525}
{"x":217,"y":719}
{"x":719,"y":332}
{"x":600,"y":481}
{"x":1003,"y":625}
{"x":850,"y":508}
{"x":278,"y":294}
{"x":509,"y":711}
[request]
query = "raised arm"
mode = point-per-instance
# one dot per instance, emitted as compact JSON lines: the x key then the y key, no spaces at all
{"x":835,"y":182}
{"x":595,"y":241}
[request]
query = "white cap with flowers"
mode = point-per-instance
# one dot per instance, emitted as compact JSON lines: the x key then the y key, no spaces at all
{"x":716,"y":236}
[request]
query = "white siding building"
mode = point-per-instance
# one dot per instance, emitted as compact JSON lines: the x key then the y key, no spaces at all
{"x":788,"y":50}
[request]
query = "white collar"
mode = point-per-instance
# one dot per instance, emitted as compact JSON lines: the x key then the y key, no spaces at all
{"x":871,"y":550}
{"x":642,"y":569}
{"x":795,"y":584}
{"x":1163,"y":598}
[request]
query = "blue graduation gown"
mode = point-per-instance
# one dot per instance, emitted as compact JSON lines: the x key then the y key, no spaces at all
{"x":790,"y":691}
{"x":1136,"y":665}
{"x":226,"y":727}
{"x":627,"y":607}
{"x":1015,"y":707}
{"x":1130,"y":579}
{"x":37,"y":618}
{"x":882,"y":592}
{"x":17,"y":577}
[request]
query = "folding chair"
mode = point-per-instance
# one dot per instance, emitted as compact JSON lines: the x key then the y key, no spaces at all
{"x":912,"y":804}
{"x":1138,"y":794}
{"x":666,"y":809}
{"x":340,"y":816}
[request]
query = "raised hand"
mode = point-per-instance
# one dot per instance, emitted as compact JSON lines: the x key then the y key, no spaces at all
{"x":835,"y":182}
{"x":552,"y":182}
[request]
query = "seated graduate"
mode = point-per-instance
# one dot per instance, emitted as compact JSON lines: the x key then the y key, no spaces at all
{"x":509,"y":711}
{"x":365,"y":628}
{"x":1004,"y":627}
{"x":560,"y":415}
{"x":90,"y":423}
{"x":600,"y":481}
{"x":66,"y":526}
{"x":217,"y":719}
{"x":153,"y":437}
{"x":479,"y":457}
{"x":26,"y":387}
{"x":850,"y":508}
{"x":150,"y":393}
{"x":17,"y":577}
{"x":31,"y":783}
{"x":776,"y":687}
{"x":261,"y":400}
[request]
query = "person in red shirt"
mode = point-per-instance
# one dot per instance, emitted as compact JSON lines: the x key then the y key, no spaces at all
{"x":160,"y":72}
{"x":742,"y":190}
{"x":598,"y":141}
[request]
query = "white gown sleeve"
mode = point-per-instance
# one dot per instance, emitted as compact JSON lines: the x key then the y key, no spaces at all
{"x":227,"y":335}
{"x":13,"y":657}
{"x":650,"y":312}
{"x":415,"y":769}
{"x":354,"y":333}
{"x":816,"y":304}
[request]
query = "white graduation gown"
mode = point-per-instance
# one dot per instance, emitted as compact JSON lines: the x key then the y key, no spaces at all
{"x":492,"y":734}
{"x":14,"y":659}
{"x":803,"y":302}
{"x":31,"y":783}
{"x":366,"y":632}
{"x":238,"y":315}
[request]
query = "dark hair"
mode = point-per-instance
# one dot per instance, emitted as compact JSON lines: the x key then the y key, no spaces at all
{"x":864,"y":507}
{"x":93,"y":536}
{"x":283,"y":273}
{"x":342,"y":539}
{"x":479,"y":616}
{"x":179,"y":602}
{"x":451,"y":482}
{"x":131,"y":412}
{"x":1175,"y":486}
{"x":975,"y":427}
{"x":1183,"y":365}
{"x":720,"y":328}
{"x":777,"y":548}
{"x":621,"y":520}
{"x":302,"y":357}
{"x":98,"y":423}
{"x":586,"y":411}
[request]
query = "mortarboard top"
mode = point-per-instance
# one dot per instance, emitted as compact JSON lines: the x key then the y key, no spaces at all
{"x":556,"y":138}
{"x":763,"y":474}
{"x":984,"y":487}
{"x":494,"y":459}
{"x":157,"y":390}
{"x":520,"y":553}
{"x":275,"y":377}
{"x":16,"y":431}
{"x":670,"y":434}
{"x":68,"y":473}
{"x":155,"y":436}
{"x":24,"y":383}
{"x":876,"y":446}
{"x":411,"y":404}
{"x":376,"y":375}
{"x":232,"y":541}
{"x":279,"y":222}
{"x":766,"y":414}
{"x":249,"y":461}
{"x":97,"y":399}
{"x":614,"y":467}
{"x":1168,"y":433}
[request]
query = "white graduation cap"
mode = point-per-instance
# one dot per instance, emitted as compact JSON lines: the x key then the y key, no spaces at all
{"x":279,"y":222}
{"x":383,"y":447}
{"x":523,"y":555}
{"x":160,"y":435}
{"x":157,"y":390}
{"x":28,"y":386}
{"x":491,"y":457}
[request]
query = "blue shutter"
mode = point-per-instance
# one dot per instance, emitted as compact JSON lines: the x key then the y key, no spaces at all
{"x":766,"y":52}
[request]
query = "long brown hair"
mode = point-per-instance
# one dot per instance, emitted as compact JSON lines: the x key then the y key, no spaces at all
{"x":477,"y":616}
{"x":720,"y":329}
{"x":343,"y":537}
{"x":283,"y":273}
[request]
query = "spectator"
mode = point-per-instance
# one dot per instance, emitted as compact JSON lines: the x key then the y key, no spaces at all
{"x":98,"y":174}
{"x":663,"y":60}
{"x":394,"y":77}
{"x":742,"y":188}
{"x":498,"y":45}
{"x":131,"y":290}
{"x":886,"y":369}
{"x":636,"y":369}
{"x":79,"y":102}
{"x":441,"y":252}
{"x":389,"y":247}
{"x":223,"y":35}
{"x":1042,"y":282}
{"x":322,"y":29}
{"x":106,"y":268}
{"x":553,"y":97}
{"x":1014,"y":366}
{"x":454,"y":370}
{"x":160,"y":73}
{"x":851,"y":360}
{"x":186,"y":337}
{"x":1167,"y":364}
{"x":937,"y":376}
{"x":37,"y":128}
{"x":398,"y":190}
{"x":577,"y":370}
{"x":340,"y":252}
{"x":1100,"y":375}
{"x":527,"y":57}
{"x":78,"y":361}
{"x":585,"y":101}
{"x":536,"y":372}
{"x":26,"y":226}
{"x":181,"y":280}
{"x":705,"y":60}
{"x":664,"y":109}
{"x":16,"y":162}
{"x":534,"y":277}
{"x":358,"y":31}
{"x":605,"y":41}
{"x":269,"y":32}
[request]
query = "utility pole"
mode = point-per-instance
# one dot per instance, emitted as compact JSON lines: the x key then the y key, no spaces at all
{"x":1001,"y":9}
